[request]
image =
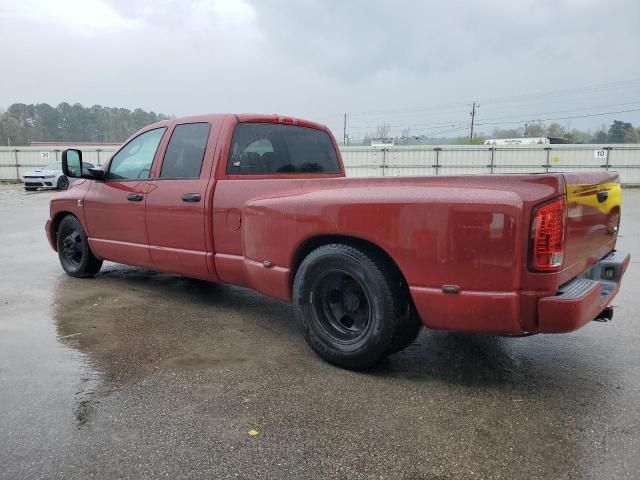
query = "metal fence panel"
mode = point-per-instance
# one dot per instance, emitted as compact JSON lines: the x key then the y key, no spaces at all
{"x":533,"y":159}
{"x":362,"y":162}
{"x":627,"y":156}
{"x":575,"y":156}
{"x":458,"y":160}
{"x":408,"y":162}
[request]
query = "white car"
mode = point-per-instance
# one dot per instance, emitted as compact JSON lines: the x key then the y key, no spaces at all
{"x":49,"y":176}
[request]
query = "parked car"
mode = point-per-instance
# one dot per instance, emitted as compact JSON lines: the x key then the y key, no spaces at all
{"x":262,"y":201}
{"x":49,"y":176}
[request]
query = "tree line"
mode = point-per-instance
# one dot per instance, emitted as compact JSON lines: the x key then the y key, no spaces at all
{"x":23,"y":123}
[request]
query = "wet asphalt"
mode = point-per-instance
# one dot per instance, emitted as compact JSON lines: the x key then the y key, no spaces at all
{"x":136,"y":374}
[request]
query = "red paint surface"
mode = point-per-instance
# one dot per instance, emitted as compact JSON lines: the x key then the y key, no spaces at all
{"x":468,"y":231}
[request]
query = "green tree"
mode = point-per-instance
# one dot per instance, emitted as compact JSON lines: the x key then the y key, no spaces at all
{"x":632,"y":135}
{"x":618,"y":131}
{"x":535,"y":129}
{"x":556,"y":130}
{"x":11,"y":133}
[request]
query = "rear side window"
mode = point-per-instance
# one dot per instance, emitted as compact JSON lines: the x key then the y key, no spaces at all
{"x":266,"y":148}
{"x":185,"y":151}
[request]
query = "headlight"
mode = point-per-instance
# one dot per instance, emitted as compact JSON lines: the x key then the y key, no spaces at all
{"x":49,"y":176}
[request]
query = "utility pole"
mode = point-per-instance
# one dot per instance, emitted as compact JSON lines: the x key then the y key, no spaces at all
{"x":474,"y":107}
{"x":344,"y":131}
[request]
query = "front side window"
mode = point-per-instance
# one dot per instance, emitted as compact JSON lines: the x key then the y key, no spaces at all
{"x":135,"y":159}
{"x":267,"y":148}
{"x":185,"y":152}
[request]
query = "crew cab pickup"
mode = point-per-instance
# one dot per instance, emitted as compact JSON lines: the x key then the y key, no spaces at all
{"x":262,"y":201}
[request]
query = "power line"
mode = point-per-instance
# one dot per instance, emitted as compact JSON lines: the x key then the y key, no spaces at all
{"x":531,"y":116}
{"x":564,"y":118}
{"x":521,"y":117}
{"x":584,"y":90}
{"x":567,"y":92}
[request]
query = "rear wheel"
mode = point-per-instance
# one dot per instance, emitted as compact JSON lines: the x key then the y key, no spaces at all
{"x":63,"y":183}
{"x":347,"y":304}
{"x":409,"y":327}
{"x":74,"y":253}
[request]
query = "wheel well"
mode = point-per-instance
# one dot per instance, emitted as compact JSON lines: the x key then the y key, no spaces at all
{"x":56,"y":222}
{"x":378,"y":254}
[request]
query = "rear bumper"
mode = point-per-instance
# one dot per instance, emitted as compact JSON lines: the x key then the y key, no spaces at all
{"x":577,"y":302}
{"x":581,"y":300}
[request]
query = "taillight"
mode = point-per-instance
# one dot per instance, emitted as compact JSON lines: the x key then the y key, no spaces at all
{"x":547,"y":236}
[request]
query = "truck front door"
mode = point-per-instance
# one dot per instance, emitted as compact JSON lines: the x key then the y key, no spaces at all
{"x":115,"y":209}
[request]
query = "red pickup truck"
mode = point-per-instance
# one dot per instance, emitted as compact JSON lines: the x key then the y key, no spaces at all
{"x":262,"y":201}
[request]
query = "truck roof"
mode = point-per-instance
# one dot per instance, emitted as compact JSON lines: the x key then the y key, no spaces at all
{"x":243,"y":118}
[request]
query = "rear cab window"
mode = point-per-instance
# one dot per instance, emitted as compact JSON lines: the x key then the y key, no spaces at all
{"x":185,"y":151}
{"x":273,"y":149}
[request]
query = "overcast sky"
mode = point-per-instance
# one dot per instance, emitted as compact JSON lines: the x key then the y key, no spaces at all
{"x":410,"y":64}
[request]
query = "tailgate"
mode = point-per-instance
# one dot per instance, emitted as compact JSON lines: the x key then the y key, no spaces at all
{"x":593,"y":214}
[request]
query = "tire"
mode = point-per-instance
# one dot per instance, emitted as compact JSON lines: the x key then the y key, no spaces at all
{"x":409,"y":327}
{"x":75,"y":256}
{"x":347,"y":304}
{"x":63,"y":183}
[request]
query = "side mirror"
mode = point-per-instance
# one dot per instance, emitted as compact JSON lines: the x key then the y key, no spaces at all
{"x":98,"y":174}
{"x":72,"y":163}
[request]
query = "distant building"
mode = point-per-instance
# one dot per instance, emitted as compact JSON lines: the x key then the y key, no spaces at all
{"x":382,"y":142}
{"x":525,"y":141}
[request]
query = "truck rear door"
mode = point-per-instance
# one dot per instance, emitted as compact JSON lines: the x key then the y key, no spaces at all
{"x":176,"y":203}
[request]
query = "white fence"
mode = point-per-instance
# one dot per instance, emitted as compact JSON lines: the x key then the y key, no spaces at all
{"x":411,"y":160}
{"x":463,"y":159}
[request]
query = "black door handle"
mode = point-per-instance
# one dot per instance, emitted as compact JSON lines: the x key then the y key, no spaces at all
{"x":191,"y":197}
{"x":135,"y":197}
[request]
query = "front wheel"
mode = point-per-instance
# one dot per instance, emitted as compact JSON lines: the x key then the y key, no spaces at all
{"x":347,"y":304}
{"x":74,"y":253}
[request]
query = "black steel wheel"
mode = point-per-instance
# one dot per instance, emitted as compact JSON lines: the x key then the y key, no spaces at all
{"x":74,"y":253}
{"x":63,"y":183}
{"x":347,"y":303}
{"x":341,"y":305}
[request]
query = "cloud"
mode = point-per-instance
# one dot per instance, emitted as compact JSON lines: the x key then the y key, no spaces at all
{"x":80,"y":16}
{"x":378,"y":61}
{"x":354,"y":40}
